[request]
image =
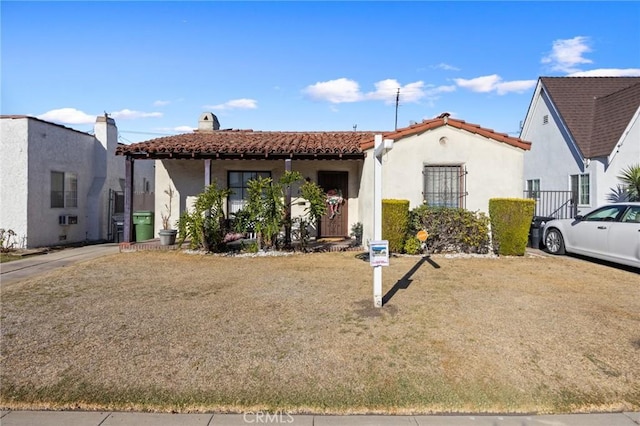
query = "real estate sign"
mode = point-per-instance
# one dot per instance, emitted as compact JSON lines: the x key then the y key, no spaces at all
{"x":379,"y":253}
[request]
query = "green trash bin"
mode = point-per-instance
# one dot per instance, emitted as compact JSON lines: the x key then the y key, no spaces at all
{"x":143,"y":224}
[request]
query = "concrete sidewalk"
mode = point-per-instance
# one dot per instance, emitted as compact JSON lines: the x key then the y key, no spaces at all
{"x":86,"y":418}
{"x":17,"y":270}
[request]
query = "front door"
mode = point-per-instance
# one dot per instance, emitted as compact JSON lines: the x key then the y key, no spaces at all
{"x":335,"y":222}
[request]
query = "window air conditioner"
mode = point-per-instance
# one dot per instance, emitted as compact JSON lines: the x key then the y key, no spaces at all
{"x":67,"y":219}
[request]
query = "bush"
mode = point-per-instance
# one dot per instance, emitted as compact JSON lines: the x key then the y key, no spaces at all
{"x":451,"y":229}
{"x":395,"y":220}
{"x":412,"y":245}
{"x":510,"y":222}
{"x":204,"y":226}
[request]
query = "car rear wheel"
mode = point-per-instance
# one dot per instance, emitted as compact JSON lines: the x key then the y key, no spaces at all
{"x":554,"y":242}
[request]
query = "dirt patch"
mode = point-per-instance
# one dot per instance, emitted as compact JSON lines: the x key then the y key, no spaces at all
{"x":186,"y":332}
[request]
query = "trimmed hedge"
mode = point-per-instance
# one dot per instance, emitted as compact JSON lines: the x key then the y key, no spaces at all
{"x":395,"y":221}
{"x":451,"y":230}
{"x":510,"y":222}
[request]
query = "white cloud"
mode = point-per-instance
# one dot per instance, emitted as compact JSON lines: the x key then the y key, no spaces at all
{"x":433,"y":91}
{"x":75,"y":116}
{"x":127,"y":114}
{"x":68,"y":116}
{"x":160,"y":103}
{"x":517,"y":86}
{"x":608,"y":72}
{"x":446,"y":67}
{"x":566,"y":54}
{"x":494,"y":83}
{"x":386,"y":90}
{"x":482,"y":84}
{"x":183,"y":129}
{"x":235,"y":104}
{"x":345,"y":90}
{"x":334,"y":91}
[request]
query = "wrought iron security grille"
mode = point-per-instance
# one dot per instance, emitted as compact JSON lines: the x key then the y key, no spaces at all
{"x":445,"y":186}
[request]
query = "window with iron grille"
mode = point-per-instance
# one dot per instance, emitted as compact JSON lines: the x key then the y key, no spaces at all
{"x":239,"y":188}
{"x":445,"y":186}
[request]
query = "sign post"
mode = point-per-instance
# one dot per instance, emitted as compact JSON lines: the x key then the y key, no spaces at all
{"x":380,"y":148}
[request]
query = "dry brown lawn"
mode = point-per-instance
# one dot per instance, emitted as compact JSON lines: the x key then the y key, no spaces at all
{"x":184,"y":332}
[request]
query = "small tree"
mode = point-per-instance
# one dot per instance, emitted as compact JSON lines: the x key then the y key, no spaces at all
{"x":316,"y":208}
{"x":316,"y":198}
{"x":204,"y":226}
{"x":266,"y":209}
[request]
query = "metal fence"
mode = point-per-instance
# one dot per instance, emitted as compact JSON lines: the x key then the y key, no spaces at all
{"x":556,"y":204}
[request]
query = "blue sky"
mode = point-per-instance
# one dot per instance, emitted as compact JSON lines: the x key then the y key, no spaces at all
{"x":156,"y":66}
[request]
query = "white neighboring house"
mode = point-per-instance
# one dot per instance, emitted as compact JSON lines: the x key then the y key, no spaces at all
{"x":59,"y":185}
{"x":584,"y":131}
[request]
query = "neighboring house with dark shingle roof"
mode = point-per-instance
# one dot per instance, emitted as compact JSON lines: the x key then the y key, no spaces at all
{"x":444,"y":161}
{"x":584,"y":131}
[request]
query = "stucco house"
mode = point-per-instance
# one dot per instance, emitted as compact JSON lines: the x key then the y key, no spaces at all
{"x":59,"y":185}
{"x":443,"y":161}
{"x":584,"y":131}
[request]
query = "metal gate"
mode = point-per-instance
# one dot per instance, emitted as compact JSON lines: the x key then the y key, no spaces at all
{"x":556,"y":204}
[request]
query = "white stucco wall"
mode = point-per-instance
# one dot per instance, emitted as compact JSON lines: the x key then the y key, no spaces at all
{"x":494,"y":169}
{"x":55,"y":148}
{"x":14,"y":177}
{"x":187,"y":177}
{"x":552,"y":158}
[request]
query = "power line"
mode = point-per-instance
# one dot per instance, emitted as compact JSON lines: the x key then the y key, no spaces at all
{"x":147,"y":133}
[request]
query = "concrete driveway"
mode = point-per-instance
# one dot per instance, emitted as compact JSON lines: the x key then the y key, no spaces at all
{"x":18,"y":270}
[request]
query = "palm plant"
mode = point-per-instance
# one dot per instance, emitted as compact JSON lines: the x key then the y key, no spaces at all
{"x":630,"y":178}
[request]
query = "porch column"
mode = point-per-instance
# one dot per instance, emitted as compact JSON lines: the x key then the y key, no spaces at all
{"x":207,"y":172}
{"x":128,"y":200}
{"x":287,"y":203}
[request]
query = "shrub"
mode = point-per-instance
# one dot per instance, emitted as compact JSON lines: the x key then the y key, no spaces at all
{"x":451,"y":229}
{"x":510,"y":222}
{"x":204,"y":226}
{"x":5,"y":240}
{"x":412,"y":245}
{"x":395,"y":220}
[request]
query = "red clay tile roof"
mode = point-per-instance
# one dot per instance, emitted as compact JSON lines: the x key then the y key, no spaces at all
{"x":596,"y":110}
{"x":445,"y":120}
{"x":247,"y":144}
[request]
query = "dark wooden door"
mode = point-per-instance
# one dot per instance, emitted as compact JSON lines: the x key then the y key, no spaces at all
{"x":335,"y":222}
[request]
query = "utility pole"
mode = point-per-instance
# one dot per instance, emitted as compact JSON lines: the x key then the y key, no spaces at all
{"x":397,"y":102}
